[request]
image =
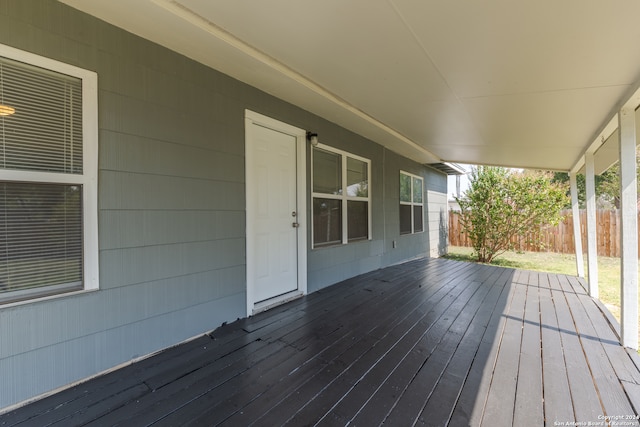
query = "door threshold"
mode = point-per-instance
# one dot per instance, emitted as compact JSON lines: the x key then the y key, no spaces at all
{"x":270,"y":303}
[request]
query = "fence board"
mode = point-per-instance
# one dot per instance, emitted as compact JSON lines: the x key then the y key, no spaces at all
{"x":559,"y":238}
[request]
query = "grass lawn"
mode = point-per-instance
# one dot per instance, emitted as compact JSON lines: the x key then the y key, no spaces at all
{"x":608,"y":269}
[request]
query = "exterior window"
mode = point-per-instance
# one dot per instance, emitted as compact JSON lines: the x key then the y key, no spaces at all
{"x":341,"y":197}
{"x":48,"y":166}
{"x":411,"y":204}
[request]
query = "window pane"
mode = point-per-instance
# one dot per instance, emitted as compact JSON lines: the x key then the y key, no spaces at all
{"x":45,"y":131}
{"x":327,"y":172}
{"x":405,"y":219}
{"x":417,"y":190}
{"x":358,"y":220}
{"x":327,"y":222}
{"x":417,"y":219}
{"x":405,"y":188}
{"x":40,"y":237}
{"x":357,"y":179}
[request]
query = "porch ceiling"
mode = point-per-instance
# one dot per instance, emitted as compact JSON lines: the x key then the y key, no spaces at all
{"x":522,"y":84}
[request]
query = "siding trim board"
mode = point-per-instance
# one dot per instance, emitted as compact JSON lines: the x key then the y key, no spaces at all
{"x":172,"y":207}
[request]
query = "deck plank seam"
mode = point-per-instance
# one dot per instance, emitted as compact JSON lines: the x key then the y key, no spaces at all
{"x":486,"y":340}
{"x":368,"y":333}
{"x":598,"y":373}
{"x":586,"y":357}
{"x":522,"y":330}
{"x":585,"y":300}
{"x":498,"y":344}
{"x":384,"y":354}
{"x":459,"y":281}
{"x":455,"y":351}
{"x":425,"y":361}
{"x":515,"y":285}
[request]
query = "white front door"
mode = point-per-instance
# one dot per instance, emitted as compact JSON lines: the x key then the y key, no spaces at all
{"x":275,"y":210}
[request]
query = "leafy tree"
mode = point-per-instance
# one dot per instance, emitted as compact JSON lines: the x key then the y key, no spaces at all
{"x":562,"y":179}
{"x":607,"y":186}
{"x":501,"y":204}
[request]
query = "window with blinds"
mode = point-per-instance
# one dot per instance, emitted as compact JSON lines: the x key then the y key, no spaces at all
{"x":42,"y":179}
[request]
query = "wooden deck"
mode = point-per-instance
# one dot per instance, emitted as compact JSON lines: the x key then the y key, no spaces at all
{"x":430,"y":342}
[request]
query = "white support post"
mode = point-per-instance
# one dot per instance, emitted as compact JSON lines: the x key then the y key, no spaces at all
{"x":628,"y":229}
{"x":577,"y":235}
{"x":592,"y":247}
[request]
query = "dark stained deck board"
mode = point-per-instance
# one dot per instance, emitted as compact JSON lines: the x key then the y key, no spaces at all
{"x":358,"y":326}
{"x":272,"y":327}
{"x":633,"y":392}
{"x":623,"y":365}
{"x":102,"y":407}
{"x":469,"y":407}
{"x":332,"y":296}
{"x":429,"y":342}
{"x":395,"y":374}
{"x":528,"y":409}
{"x":335,"y":366}
{"x":157,"y":404}
{"x":216,"y":405}
{"x":612,"y":395}
{"x":448,"y":389}
{"x":320,"y":402}
{"x":409,"y":404}
{"x":214,"y":413}
{"x":500,"y":404}
{"x":558,"y":406}
{"x":586,"y":402}
{"x":163,"y":401}
{"x":355,"y":402}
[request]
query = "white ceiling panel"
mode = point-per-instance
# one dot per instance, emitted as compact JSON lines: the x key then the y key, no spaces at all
{"x":526,"y":84}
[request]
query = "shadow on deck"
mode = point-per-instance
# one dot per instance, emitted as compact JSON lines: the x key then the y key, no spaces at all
{"x":429,"y":342}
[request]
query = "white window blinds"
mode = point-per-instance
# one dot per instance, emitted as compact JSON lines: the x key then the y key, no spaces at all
{"x":41,"y":213}
{"x":45,"y":131}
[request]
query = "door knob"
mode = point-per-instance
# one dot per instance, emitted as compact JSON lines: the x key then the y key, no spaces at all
{"x":295,"y":225}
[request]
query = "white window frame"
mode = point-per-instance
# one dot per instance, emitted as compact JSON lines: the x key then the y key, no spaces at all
{"x":412,"y":203}
{"x":88,"y":179}
{"x":344,"y":198}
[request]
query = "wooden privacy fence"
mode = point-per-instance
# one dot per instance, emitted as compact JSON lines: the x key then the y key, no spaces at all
{"x":559,"y":238}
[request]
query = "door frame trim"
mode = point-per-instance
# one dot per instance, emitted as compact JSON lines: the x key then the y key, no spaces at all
{"x":252,"y":118}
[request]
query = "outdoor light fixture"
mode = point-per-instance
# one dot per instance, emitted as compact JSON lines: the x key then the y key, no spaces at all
{"x":5,"y":110}
{"x":312,"y":138}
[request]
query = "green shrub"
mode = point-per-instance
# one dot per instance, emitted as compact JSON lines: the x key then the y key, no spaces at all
{"x":501,"y":204}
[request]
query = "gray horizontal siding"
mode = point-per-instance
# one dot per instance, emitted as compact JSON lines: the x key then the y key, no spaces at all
{"x":65,"y":319}
{"x":136,"y":154}
{"x":171,"y":204}
{"x":136,"y":228}
{"x":30,"y":373}
{"x":124,"y":190}
{"x":131,"y":266}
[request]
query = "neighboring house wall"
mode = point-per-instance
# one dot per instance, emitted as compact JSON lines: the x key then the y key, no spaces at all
{"x":172,"y":205}
{"x":437,"y":213}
